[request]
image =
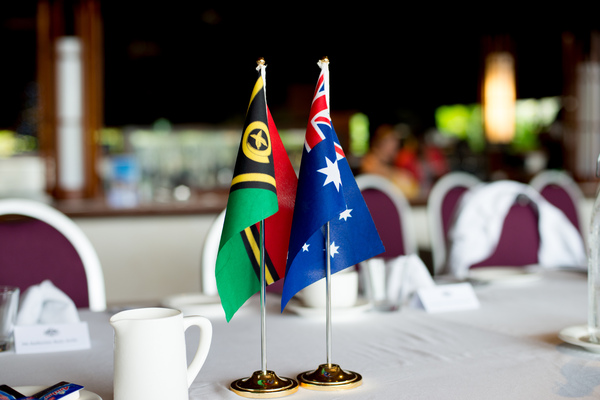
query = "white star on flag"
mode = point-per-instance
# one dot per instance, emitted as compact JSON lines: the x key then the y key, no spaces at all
{"x":333,"y":249}
{"x":346,"y":214}
{"x":305,"y":247}
{"x":333,"y":174}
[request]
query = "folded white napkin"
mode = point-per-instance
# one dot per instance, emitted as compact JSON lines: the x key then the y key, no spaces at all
{"x":46,"y":304}
{"x":391,"y":283}
{"x":479,"y":222}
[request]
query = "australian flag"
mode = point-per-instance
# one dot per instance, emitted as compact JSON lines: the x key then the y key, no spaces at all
{"x":327,"y":192}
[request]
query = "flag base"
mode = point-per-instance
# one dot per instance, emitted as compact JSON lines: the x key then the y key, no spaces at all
{"x":329,"y":377}
{"x":264,"y":385}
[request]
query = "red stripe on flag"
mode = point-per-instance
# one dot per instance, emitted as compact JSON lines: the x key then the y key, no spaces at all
{"x":319,"y":84}
{"x":339,"y":151}
{"x":279,"y":225}
{"x":313,"y":135}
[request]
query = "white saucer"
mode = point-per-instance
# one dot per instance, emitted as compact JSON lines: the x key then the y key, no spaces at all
{"x":297,"y":307}
{"x":195,"y":304}
{"x":578,"y":335}
{"x":503,"y":275}
{"x":83,"y":394}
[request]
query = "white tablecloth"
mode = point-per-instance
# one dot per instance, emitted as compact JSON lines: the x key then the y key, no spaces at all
{"x":507,"y":349}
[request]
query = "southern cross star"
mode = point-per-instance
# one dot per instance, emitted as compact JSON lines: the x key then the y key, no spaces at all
{"x":346,"y":214}
{"x":333,"y":249}
{"x":333,"y":174}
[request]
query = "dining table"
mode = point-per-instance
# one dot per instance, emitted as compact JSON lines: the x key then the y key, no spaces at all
{"x":506,"y":348}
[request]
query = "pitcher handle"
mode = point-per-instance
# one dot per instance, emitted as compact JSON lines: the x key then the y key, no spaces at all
{"x":203,"y":344}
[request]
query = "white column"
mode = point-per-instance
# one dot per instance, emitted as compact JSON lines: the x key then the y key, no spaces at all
{"x":69,"y":92}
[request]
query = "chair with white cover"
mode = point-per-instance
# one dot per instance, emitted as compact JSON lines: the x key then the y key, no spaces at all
{"x":507,"y":223}
{"x":38,"y":242}
{"x":562,"y":191}
{"x":442,"y":202}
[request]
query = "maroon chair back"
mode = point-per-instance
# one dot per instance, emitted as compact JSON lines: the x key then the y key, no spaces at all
{"x":32,"y":251}
{"x":520,"y":238}
{"x":388,"y":222}
{"x":558,"y":197}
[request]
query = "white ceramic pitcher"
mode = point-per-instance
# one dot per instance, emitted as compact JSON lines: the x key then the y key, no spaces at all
{"x":150,"y":353}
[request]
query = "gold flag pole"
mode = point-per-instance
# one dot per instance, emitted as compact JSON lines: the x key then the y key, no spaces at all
{"x":263,"y":384}
{"x":328,"y":376}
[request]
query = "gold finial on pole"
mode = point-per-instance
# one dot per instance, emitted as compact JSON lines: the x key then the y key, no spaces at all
{"x":261,"y":64}
{"x":323,"y":62}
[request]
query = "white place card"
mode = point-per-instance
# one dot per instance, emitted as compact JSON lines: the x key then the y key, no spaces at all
{"x":451,"y":297}
{"x":51,"y":338}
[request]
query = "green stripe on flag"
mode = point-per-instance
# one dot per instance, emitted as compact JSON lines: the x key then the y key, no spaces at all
{"x":236,"y":279}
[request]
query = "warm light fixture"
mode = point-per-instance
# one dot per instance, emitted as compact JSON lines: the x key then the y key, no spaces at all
{"x":499,"y":97}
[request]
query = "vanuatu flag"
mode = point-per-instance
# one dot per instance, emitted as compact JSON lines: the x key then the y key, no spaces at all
{"x":252,"y":198}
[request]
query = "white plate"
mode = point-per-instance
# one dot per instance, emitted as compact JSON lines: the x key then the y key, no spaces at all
{"x":297,"y":307}
{"x":504,"y":274}
{"x":83,"y":394}
{"x":195,"y":304}
{"x":578,"y":335}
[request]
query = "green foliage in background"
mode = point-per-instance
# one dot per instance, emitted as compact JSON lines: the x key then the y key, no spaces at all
{"x":465,"y":122}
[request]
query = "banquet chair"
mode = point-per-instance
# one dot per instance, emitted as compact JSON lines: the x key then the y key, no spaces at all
{"x":391,"y":214}
{"x":519,"y":240}
{"x":441,"y":206}
{"x":210,"y":250}
{"x":561,"y":191}
{"x":38,"y":242}
{"x":508,"y":223}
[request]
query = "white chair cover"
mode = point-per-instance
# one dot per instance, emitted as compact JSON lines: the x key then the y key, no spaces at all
{"x":480,"y":219}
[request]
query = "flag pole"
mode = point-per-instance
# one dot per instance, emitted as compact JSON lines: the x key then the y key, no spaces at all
{"x":328,"y":376}
{"x":328,"y":298}
{"x":263,"y":313}
{"x":263,"y":383}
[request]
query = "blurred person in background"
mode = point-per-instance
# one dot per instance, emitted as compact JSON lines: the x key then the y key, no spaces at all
{"x":381,"y":160}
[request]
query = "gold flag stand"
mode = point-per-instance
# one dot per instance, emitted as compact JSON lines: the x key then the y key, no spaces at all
{"x":329,"y":376}
{"x":263,"y":384}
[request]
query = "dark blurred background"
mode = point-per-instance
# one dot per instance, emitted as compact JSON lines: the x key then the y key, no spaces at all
{"x":194,"y":64}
